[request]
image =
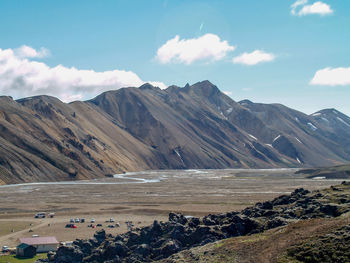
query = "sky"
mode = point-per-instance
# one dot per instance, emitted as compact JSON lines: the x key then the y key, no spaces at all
{"x":274,"y":51}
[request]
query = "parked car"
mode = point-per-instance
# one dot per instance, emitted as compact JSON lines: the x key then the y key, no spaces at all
{"x":40,"y":215}
{"x":51,"y":215}
{"x":92,"y":220}
{"x":71,"y":220}
{"x":111,"y":220}
{"x":71,"y":226}
{"x":77,"y":220}
{"x":82,"y":220}
{"x":66,"y":243}
{"x":99,"y":225}
{"x":111,"y":226}
{"x":5,"y":249}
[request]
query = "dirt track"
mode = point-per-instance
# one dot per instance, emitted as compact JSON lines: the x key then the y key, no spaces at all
{"x":139,"y":197}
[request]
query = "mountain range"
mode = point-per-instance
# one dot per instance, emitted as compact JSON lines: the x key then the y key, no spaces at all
{"x":190,"y":127}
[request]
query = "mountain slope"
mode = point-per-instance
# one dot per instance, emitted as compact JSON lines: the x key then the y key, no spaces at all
{"x":44,"y":139}
{"x":298,"y":135}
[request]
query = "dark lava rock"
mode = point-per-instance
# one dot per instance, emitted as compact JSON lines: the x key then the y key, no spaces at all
{"x":194,"y":222}
{"x":276,"y":222}
{"x":170,"y":247}
{"x":68,"y":255}
{"x":100,"y":235}
{"x":177,"y":218}
{"x":331,"y":210}
{"x":143,"y":250}
{"x":121,"y":249}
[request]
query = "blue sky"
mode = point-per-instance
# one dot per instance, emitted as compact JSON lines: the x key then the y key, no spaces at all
{"x":76,"y":49}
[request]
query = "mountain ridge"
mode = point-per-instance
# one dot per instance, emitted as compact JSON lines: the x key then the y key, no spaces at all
{"x":132,"y":129}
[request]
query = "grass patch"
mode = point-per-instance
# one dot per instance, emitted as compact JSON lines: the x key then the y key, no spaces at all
{"x":15,"y":259}
{"x":286,"y":259}
{"x":220,"y":244}
{"x":255,"y":238}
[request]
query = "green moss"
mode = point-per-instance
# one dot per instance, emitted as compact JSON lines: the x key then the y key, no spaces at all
{"x":333,"y":247}
{"x":15,"y":259}
{"x":255,"y":238}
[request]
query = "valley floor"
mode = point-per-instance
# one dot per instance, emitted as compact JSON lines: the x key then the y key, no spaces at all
{"x":139,"y":197}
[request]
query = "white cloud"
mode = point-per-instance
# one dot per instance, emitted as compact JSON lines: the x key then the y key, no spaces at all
{"x":20,"y":76}
{"x":316,"y":8}
{"x":253,"y":58}
{"x":296,"y":5}
{"x":29,"y":52}
{"x":301,"y":8}
{"x":207,"y":47}
{"x":332,"y":77}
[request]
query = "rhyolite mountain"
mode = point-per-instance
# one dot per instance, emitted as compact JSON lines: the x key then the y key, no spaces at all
{"x":130,"y":129}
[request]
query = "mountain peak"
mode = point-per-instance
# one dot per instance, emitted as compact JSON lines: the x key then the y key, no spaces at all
{"x":7,"y":98}
{"x":148,"y":86}
{"x":205,"y":88}
{"x":327,"y":112}
{"x":245,"y":102}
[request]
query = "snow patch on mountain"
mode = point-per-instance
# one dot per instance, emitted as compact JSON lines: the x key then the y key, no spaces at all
{"x":276,"y":138}
{"x":253,"y":137}
{"x":229,"y":111}
{"x":324,"y":119}
{"x":178,"y":154}
{"x":298,"y":140}
{"x":316,"y":114}
{"x":342,"y":121}
{"x":312,"y":127}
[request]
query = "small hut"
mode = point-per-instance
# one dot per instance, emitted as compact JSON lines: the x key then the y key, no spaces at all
{"x":42,"y":244}
{"x":25,"y":250}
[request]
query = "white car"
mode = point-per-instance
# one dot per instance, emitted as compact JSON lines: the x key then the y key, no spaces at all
{"x":92,"y":220}
{"x":111,"y":220}
{"x":77,"y":220}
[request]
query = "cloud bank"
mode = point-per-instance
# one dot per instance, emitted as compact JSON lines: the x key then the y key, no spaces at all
{"x":301,"y":8}
{"x":208,"y":47}
{"x":21,"y":76}
{"x":253,"y":58}
{"x":332,"y":77}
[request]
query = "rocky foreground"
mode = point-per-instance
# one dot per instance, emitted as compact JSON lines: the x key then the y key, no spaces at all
{"x":164,"y":239}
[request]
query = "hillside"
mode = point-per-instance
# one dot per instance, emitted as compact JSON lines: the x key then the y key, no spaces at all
{"x":132,"y":129}
{"x":334,"y":172}
{"x":316,"y":240}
